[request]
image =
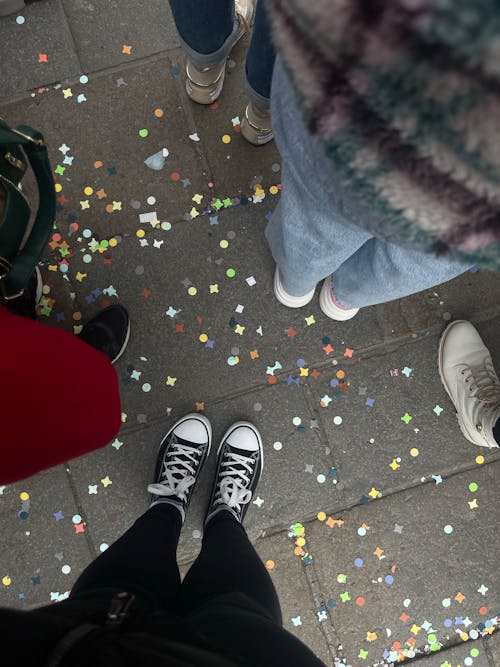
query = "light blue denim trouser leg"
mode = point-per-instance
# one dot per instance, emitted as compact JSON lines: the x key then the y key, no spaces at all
{"x":207,"y":32}
{"x":317,"y":228}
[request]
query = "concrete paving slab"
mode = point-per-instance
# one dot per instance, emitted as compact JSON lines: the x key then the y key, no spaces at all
{"x":237,"y":166}
{"x":186,"y":319}
{"x":36,"y":49}
{"x":394,"y":414}
{"x":298,"y":606}
{"x":107,"y":154}
{"x":457,"y":656}
{"x":129,"y":464}
{"x":492,"y":648}
{"x":414,"y":569}
{"x":44,"y":545}
{"x":473,"y":295}
{"x":111,"y":32}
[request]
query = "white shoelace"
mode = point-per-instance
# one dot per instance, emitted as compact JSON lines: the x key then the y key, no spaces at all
{"x":232,"y":491}
{"x":178,"y":474}
{"x":484,"y":384}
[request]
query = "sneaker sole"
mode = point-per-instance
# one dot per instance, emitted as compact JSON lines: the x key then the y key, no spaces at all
{"x":442,"y":342}
{"x":330,"y":309}
{"x":286,"y":299}
{"x":125,"y":343}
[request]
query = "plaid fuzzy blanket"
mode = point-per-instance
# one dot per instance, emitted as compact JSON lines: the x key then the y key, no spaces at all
{"x":405,"y":95}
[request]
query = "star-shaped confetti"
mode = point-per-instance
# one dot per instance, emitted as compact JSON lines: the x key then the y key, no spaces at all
{"x":171,"y":381}
{"x":106,"y":481}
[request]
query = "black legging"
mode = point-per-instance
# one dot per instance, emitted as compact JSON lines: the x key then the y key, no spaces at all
{"x":143,"y":561}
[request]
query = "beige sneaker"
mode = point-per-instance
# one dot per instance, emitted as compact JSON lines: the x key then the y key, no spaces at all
{"x":205,"y":85}
{"x":256,"y":126}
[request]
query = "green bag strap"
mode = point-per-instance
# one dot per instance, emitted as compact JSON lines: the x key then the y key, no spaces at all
{"x":24,"y":264}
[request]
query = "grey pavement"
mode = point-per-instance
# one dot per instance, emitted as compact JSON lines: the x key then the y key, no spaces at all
{"x":367,"y":516}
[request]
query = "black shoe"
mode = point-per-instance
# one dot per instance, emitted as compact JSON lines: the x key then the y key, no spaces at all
{"x":108,"y":332}
{"x":183,"y":451}
{"x":25,"y":305}
{"x":239,"y":468}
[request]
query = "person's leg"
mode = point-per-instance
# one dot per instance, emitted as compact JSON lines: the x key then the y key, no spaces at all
{"x":379,"y":272}
{"x":205,"y":29}
{"x":260,"y":61}
{"x":142,"y":561}
{"x":310,"y":233}
{"x":228,"y":563}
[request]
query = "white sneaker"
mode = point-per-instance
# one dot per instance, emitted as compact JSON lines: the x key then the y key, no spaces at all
{"x":330,"y":307}
{"x":287,"y":299}
{"x":467,"y":373}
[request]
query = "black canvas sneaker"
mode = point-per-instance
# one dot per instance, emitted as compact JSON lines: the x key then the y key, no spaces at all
{"x":239,"y":468}
{"x":108,"y":332}
{"x":181,"y":456}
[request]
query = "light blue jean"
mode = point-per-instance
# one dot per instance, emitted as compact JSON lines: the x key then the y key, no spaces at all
{"x":207,"y":30}
{"x":317,"y":228}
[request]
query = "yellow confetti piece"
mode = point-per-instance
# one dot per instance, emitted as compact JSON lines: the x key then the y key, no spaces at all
{"x":414,"y":451}
{"x":140,"y":233}
{"x":80,"y":276}
{"x":203,"y":338}
{"x":321,"y":516}
{"x":226,"y":139}
{"x":480,"y":459}
{"x":214,"y":289}
{"x":58,"y":187}
{"x":24,"y":496}
{"x":88,"y":191}
{"x":171,"y":381}
{"x":192,"y":291}
{"x":273,"y":190}
{"x":6,"y":581}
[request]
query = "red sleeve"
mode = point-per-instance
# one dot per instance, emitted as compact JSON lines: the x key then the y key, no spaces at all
{"x":58,"y":397}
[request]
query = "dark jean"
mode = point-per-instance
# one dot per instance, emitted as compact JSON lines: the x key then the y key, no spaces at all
{"x":143,"y":561}
{"x":207,"y":28}
{"x":227,"y":596}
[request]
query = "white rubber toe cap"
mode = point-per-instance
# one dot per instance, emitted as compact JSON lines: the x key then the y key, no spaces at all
{"x":244,"y":436}
{"x":194,"y":428}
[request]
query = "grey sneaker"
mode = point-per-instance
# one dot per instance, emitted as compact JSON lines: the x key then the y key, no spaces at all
{"x":256,"y":126}
{"x":205,"y":85}
{"x":181,"y":456}
{"x":467,"y":373}
{"x":239,"y":468}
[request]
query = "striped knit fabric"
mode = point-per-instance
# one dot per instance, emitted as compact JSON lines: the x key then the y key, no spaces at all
{"x":405,"y":95}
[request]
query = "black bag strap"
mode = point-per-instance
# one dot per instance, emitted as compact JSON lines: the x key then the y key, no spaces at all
{"x":32,"y":141}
